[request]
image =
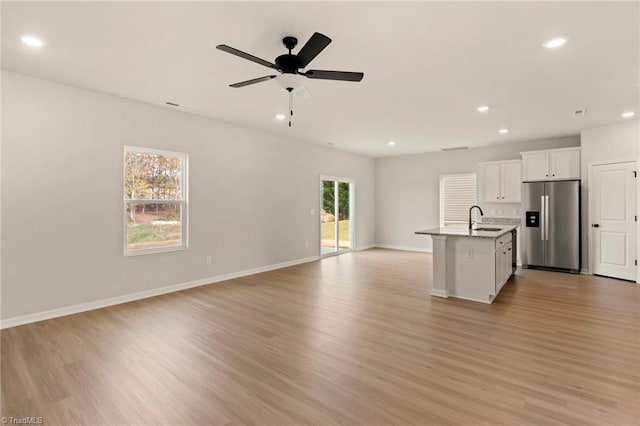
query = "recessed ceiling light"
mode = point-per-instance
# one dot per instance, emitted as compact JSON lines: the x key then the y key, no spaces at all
{"x":280,"y":116}
{"x":628,"y":114}
{"x":503,"y":131}
{"x":391,"y":143}
{"x":32,"y":41}
{"x":554,"y":42}
{"x":483,"y":108}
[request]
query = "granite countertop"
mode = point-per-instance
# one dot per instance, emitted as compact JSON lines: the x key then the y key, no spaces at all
{"x":472,"y":233}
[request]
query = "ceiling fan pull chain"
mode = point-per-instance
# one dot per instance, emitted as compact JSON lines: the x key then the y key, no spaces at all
{"x":290,"y":90}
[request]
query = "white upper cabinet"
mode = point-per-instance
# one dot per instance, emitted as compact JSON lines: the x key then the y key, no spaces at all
{"x":490,"y":178}
{"x":535,"y":166}
{"x":555,"y":164}
{"x":500,"y":182}
{"x":565,"y":164}
{"x":511,"y":182}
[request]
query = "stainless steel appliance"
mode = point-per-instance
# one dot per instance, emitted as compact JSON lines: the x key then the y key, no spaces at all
{"x":551,"y":228}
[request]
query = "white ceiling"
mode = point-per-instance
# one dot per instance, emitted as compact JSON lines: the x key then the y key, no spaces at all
{"x":427,"y":65}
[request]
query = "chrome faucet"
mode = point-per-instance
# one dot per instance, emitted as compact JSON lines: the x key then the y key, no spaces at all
{"x":481,"y":214}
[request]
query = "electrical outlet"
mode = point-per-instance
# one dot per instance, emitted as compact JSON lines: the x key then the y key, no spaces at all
{"x":312,"y":212}
{"x":208,"y":260}
{"x":306,"y":244}
{"x":516,"y":212}
{"x":493,"y":212}
{"x":470,"y":253}
{"x":499,"y":212}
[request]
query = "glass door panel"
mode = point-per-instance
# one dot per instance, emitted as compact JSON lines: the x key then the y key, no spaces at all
{"x":344,"y":216}
{"x":336,"y":224}
{"x":328,"y":243}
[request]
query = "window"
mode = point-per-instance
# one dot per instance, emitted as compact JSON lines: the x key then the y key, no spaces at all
{"x":457,"y":195}
{"x":155,"y":200}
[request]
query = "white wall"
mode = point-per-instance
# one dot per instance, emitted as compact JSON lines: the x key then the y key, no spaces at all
{"x":250,"y":196}
{"x":618,"y":141}
{"x":407,"y":187}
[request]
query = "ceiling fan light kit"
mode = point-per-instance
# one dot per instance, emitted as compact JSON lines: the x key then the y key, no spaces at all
{"x":289,"y":66}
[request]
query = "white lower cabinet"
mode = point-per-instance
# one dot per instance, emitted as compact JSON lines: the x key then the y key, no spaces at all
{"x":471,"y":267}
{"x":504,"y":263}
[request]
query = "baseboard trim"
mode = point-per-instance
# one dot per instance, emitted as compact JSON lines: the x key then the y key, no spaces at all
{"x":103,"y":303}
{"x":584,"y":271}
{"x":366,"y":247}
{"x":486,"y":302}
{"x":403,"y":248}
{"x":439,"y":293}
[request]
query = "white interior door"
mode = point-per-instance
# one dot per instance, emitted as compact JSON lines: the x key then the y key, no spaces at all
{"x":613,"y":226}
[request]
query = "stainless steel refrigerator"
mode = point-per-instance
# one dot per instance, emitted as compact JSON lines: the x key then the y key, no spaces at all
{"x":551,"y":228}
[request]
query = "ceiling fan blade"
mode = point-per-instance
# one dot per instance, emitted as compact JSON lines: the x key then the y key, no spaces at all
{"x":253,"y":81}
{"x":314,"y":46}
{"x":244,"y":55}
{"x":334,"y":75}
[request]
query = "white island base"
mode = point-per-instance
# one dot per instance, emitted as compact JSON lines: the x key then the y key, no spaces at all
{"x":472,"y":265}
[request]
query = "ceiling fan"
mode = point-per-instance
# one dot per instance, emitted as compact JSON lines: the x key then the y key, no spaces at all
{"x":290,"y":65}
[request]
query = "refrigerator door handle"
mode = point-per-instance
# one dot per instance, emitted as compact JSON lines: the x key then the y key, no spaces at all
{"x":542,"y":218}
{"x":546,"y":218}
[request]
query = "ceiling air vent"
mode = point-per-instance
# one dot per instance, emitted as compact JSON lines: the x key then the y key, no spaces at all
{"x":455,"y":148}
{"x":580,"y":112}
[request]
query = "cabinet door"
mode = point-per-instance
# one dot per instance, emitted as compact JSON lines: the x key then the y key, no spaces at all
{"x":535,"y":166}
{"x":499,"y":259}
{"x":511,"y":182}
{"x":508,"y":260}
{"x":518,"y":246}
{"x":565,"y":164}
{"x":490,"y":183}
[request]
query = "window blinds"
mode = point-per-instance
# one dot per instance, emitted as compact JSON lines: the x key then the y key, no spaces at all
{"x":459,"y":194}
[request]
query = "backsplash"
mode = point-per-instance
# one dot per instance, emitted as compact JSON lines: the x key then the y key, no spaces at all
{"x":501,"y":220}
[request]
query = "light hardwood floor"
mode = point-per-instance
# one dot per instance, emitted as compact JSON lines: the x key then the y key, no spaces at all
{"x":354,"y":339}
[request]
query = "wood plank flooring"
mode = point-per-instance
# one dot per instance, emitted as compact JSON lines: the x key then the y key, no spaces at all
{"x":354,"y":339}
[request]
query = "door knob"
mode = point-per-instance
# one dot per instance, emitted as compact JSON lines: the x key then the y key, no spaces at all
{"x":596,"y":225}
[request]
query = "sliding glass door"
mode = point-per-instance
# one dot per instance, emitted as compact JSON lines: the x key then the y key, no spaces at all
{"x":336,"y":223}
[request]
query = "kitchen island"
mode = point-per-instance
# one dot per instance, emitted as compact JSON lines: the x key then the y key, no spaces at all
{"x":472,"y":264}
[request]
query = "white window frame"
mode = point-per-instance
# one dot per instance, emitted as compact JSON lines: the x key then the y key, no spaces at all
{"x":442,"y":178}
{"x":184,"y":217}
